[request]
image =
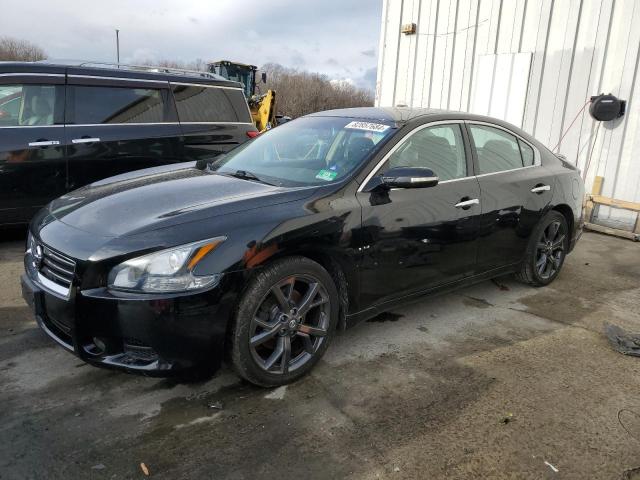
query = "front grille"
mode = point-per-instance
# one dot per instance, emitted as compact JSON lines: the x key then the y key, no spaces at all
{"x":57,"y":268}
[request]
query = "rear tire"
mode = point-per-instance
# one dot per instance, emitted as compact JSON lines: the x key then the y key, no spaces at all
{"x":284,"y":322}
{"x":546,"y":251}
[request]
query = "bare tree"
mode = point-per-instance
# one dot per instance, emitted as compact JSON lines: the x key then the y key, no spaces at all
{"x":13,"y":49}
{"x":300,"y":92}
{"x":197,"y":64}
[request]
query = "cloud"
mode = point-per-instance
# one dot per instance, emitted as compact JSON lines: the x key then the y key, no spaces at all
{"x":293,"y":33}
{"x":368,"y":79}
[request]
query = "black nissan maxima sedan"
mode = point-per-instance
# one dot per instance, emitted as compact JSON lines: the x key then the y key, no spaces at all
{"x":262,"y":255}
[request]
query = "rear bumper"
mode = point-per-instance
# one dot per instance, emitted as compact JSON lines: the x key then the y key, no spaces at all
{"x":151,"y":336}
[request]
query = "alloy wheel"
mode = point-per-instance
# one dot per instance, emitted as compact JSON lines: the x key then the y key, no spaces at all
{"x":290,"y":324}
{"x":550,"y":250}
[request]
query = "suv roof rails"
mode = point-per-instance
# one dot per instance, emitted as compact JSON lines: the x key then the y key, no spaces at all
{"x":154,"y":69}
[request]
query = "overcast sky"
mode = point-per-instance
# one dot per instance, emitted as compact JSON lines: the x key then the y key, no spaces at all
{"x":335,"y":37}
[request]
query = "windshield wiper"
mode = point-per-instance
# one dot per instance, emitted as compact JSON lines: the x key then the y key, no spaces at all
{"x":246,"y":175}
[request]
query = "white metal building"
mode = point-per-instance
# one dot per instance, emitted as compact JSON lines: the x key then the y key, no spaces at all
{"x":534,"y":63}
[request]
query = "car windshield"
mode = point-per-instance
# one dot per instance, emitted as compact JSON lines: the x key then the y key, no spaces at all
{"x":306,"y":151}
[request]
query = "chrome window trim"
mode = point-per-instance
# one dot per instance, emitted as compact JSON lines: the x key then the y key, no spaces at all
{"x":124,"y":124}
{"x":506,"y":171}
{"x":217,"y":123}
{"x":537,"y":158}
{"x":118,"y":124}
{"x":32,"y":75}
{"x":32,"y":126}
{"x":164,"y":83}
{"x":401,"y":142}
{"x":187,"y":84}
{"x":153,"y":123}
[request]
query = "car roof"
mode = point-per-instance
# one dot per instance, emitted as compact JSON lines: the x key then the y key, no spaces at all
{"x":404,"y":115}
{"x":107,"y":70}
{"x":389,"y":114}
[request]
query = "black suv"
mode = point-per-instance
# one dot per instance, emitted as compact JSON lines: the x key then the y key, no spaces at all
{"x":65,"y":126}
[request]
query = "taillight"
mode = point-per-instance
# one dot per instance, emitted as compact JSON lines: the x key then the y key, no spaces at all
{"x":252,"y":133}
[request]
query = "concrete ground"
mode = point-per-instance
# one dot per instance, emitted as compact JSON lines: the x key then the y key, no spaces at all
{"x":495,"y":381}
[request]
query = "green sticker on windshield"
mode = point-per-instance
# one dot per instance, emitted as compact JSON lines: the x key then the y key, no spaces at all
{"x":326,"y":175}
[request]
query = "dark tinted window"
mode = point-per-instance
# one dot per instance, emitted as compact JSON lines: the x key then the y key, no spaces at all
{"x":95,"y":105}
{"x":497,"y":149}
{"x":30,"y":105}
{"x":439,"y":148}
{"x":527,"y":154}
{"x":210,"y":104}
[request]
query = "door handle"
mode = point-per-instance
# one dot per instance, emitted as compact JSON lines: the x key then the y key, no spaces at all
{"x":540,"y":188}
{"x":467,"y":203}
{"x":44,"y":143}
{"x":85,"y":140}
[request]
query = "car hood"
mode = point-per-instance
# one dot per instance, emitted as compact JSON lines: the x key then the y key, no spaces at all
{"x":157,"y":198}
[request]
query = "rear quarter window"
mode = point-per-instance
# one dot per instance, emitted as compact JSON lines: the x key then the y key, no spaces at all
{"x":203,"y":104}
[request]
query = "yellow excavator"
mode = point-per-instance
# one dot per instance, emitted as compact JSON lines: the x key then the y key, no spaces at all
{"x":262,"y":105}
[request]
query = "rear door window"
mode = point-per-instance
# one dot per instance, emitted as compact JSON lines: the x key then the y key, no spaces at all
{"x":497,"y":150}
{"x":30,"y":105}
{"x":89,"y":105}
{"x":203,"y":104}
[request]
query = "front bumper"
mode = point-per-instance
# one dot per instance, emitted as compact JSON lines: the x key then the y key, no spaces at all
{"x":150,"y":335}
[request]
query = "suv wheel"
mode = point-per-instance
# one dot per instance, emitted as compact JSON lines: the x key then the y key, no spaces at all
{"x":284,"y":322}
{"x":546,"y":251}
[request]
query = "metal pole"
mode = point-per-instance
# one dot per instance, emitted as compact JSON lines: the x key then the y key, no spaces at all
{"x":118,"y":46}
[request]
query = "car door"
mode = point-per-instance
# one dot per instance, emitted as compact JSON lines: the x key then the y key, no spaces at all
{"x":118,"y":125}
{"x":213,"y":119}
{"x":420,"y":238}
{"x":32,"y":143}
{"x":515,"y":190}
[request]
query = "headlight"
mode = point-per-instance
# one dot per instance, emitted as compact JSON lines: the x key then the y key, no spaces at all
{"x":167,"y":270}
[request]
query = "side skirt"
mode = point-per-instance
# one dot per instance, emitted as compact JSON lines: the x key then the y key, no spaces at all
{"x":358,"y":317}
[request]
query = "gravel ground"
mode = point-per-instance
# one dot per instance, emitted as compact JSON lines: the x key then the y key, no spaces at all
{"x":498,"y":380}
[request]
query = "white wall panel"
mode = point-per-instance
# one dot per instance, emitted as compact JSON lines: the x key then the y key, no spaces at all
{"x":531,"y":62}
{"x":500,"y":88}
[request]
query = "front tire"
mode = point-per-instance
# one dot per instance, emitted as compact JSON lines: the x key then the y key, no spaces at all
{"x":546,"y":250}
{"x":284,"y":322}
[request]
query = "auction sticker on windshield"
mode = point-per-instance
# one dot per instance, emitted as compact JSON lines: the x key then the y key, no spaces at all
{"x":326,"y":175}
{"x":371,"y":127}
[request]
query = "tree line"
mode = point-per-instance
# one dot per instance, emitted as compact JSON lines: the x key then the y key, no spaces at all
{"x":300,"y":92}
{"x":16,"y":50}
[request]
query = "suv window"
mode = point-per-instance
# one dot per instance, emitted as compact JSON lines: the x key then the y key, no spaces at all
{"x":497,"y":150}
{"x":98,"y":105}
{"x":27,"y":105}
{"x":201,"y":104}
{"x":439,"y":148}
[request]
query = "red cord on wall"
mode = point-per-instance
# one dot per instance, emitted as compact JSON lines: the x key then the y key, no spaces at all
{"x":570,"y":125}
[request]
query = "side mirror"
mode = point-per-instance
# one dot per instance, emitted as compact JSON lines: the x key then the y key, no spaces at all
{"x":409,"y":177}
{"x":264,"y":77}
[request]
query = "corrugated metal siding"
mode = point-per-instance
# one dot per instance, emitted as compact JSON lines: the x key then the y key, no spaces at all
{"x":578,"y":48}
